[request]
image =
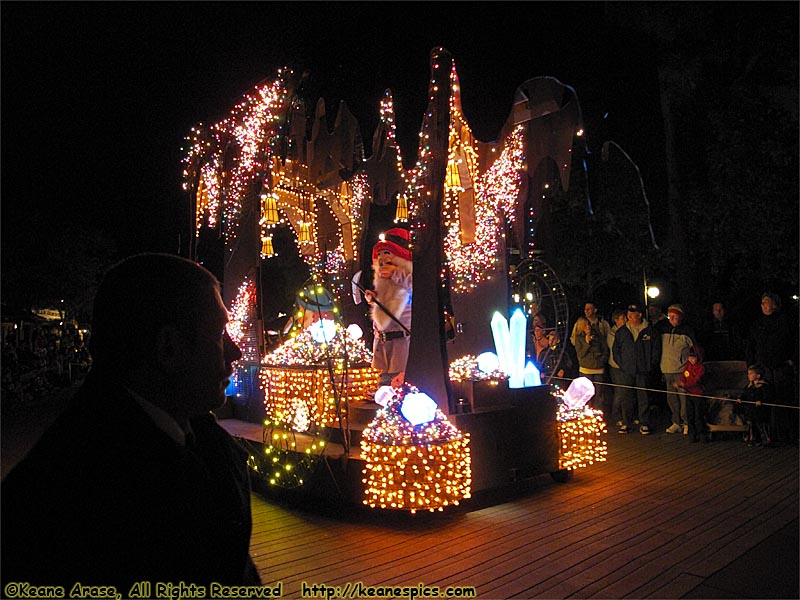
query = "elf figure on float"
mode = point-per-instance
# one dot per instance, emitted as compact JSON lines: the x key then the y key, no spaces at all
{"x":390,"y":304}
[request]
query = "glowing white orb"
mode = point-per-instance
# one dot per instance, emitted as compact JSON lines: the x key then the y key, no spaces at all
{"x":383,"y":394}
{"x":323,"y":331}
{"x":579,"y":392}
{"x":354,"y":331}
{"x":488,"y":362}
{"x":418,"y":408}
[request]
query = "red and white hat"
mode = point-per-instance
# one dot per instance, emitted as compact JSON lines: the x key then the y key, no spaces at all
{"x":394,"y":240}
{"x":675,"y":308}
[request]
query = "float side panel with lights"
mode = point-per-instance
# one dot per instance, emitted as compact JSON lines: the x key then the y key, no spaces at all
{"x":305,"y":395}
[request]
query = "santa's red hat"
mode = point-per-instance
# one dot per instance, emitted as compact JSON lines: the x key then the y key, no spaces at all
{"x":395,"y":241}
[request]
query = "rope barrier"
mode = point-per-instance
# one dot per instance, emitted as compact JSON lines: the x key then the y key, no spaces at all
{"x":722,"y":399}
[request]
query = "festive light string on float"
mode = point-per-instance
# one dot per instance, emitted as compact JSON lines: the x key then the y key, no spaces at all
{"x":387,"y":119}
{"x":198,"y":144}
{"x":503,"y":179}
{"x":239,"y":311}
{"x":459,"y":141}
{"x":303,"y":351}
{"x":414,"y":467}
{"x":580,"y":430}
{"x":335,"y":261}
{"x":296,"y":373}
{"x":468,"y":368}
{"x":241,"y":329}
{"x":286,"y":460}
{"x":295,"y":193}
{"x":496,"y":192}
{"x":252,"y":125}
{"x":359,"y":199}
{"x":247,"y":136}
{"x":242,"y":322}
{"x":417,"y":180}
{"x":299,"y":397}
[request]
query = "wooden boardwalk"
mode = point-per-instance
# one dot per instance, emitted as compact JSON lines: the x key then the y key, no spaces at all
{"x":659,"y":519}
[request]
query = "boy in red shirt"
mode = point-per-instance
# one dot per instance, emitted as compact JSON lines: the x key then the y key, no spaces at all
{"x":691,"y":385}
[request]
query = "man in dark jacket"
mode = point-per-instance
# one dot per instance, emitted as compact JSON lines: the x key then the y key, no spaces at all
{"x":772,"y":344}
{"x":136,"y":481}
{"x":719,"y":337}
{"x":637,"y":350}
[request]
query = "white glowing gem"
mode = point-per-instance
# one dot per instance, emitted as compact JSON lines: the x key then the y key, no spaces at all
{"x":383,"y":394}
{"x":579,"y":392}
{"x":532,"y":376}
{"x":323,"y":331}
{"x":354,"y":331}
{"x":488,"y":362}
{"x":418,"y":408}
{"x":518,"y":326}
{"x":502,"y":341}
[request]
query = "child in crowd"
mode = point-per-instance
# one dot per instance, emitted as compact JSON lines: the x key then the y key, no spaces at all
{"x":555,"y":360}
{"x":691,"y":385}
{"x":757,"y":392}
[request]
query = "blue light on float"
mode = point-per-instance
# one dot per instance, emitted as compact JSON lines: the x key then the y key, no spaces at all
{"x":418,"y":408}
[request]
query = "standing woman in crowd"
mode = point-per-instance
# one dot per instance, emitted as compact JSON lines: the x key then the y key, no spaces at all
{"x":592,"y":350}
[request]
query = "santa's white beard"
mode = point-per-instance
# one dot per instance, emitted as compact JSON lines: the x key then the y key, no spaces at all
{"x":393,"y":293}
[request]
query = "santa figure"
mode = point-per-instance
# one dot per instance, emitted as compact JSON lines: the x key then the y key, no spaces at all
{"x":390,"y":303}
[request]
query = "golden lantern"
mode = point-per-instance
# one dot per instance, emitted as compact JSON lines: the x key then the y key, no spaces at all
{"x":304,"y":236}
{"x":266,"y":246}
{"x":401,"y":214}
{"x":269,"y":210}
{"x":453,"y":178}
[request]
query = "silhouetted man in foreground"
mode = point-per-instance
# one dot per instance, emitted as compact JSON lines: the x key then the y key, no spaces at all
{"x":136,"y":481}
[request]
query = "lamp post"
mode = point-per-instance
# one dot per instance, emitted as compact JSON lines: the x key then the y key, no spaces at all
{"x":651,"y":292}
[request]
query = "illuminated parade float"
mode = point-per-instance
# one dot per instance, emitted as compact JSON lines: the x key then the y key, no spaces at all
{"x":284,"y":201}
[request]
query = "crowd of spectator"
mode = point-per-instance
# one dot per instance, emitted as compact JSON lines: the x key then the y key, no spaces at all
{"x":643,"y":365}
{"x":47,"y":359}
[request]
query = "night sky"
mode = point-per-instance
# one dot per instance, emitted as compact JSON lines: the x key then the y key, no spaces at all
{"x":97,"y":98}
